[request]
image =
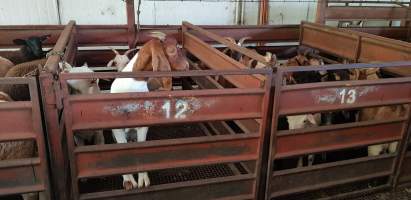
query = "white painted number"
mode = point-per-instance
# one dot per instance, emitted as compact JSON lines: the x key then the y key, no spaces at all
{"x":167,"y":108}
{"x":352,"y":96}
{"x":181,"y":109}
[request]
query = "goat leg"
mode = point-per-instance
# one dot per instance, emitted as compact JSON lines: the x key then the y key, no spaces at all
{"x":392,"y":147}
{"x":375,"y":150}
{"x":128,"y":179}
{"x":143,"y":179}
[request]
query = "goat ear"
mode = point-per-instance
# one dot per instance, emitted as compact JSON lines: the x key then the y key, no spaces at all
{"x":115,"y":51}
{"x":242,"y":40}
{"x":110,"y":63}
{"x":19,"y":42}
{"x":129,"y":51}
{"x":45,"y":37}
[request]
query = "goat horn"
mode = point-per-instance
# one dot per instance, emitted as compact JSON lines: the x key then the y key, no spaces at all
{"x":115,"y":51}
{"x":129,"y":51}
{"x":242,"y":40}
{"x":158,"y":34}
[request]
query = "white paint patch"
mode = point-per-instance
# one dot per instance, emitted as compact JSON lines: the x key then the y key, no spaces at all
{"x":124,"y":109}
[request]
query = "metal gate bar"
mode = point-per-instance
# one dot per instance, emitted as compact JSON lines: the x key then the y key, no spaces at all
{"x":324,"y":97}
{"x":21,"y":120}
{"x":100,"y":112}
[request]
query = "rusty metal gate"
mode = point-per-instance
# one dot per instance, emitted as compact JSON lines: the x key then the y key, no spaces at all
{"x":21,"y":122}
{"x":106,"y":111}
{"x":327,"y":97}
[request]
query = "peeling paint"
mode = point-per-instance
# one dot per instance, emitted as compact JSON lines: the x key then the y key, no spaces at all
{"x":176,"y":108}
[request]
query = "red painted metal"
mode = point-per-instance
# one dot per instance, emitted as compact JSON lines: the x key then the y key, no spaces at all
{"x":313,"y":98}
{"x":310,"y":98}
{"x":22,"y":121}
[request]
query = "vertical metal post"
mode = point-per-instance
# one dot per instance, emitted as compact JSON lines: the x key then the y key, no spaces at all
{"x":321,"y":7}
{"x":263,"y":12}
{"x":131,"y":23}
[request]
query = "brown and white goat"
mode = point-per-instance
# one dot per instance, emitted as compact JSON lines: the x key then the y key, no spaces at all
{"x":251,"y":63}
{"x":305,"y":120}
{"x":158,"y":54}
{"x":378,"y":113}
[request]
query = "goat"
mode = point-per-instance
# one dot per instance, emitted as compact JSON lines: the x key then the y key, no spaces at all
{"x":21,"y":92}
{"x":247,"y":61}
{"x":306,"y":120}
{"x":84,"y":86}
{"x":120,"y":61}
{"x":378,"y":113}
{"x":31,"y":49}
{"x":234,"y":54}
{"x":159,"y":54}
{"x":5,"y":66}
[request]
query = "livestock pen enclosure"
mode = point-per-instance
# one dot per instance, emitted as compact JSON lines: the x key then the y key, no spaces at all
{"x":215,"y":135}
{"x":343,"y":168}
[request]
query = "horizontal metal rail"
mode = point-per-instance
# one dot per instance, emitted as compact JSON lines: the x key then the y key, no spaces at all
{"x":107,"y":111}
{"x":21,"y":121}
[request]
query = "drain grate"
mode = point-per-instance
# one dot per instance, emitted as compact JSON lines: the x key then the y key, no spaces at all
{"x":329,"y":192}
{"x":159,"y":177}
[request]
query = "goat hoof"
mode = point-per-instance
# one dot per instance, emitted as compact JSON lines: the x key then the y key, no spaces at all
{"x":143,"y":180}
{"x":128,"y":185}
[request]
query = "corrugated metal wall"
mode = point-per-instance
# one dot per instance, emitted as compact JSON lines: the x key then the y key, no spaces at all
{"x":19,"y":12}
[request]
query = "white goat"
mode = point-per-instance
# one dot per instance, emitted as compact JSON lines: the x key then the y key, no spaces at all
{"x":84,"y":86}
{"x":124,"y":85}
{"x":120,"y":61}
{"x":304,"y":121}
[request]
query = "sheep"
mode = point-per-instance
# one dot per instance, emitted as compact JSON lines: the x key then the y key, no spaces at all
{"x":31,"y":49}
{"x":120,"y":61}
{"x":159,"y":54}
{"x":84,"y":86}
{"x":5,"y":66}
{"x":21,"y":92}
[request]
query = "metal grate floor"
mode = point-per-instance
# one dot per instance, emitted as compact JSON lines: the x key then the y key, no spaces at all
{"x":159,"y":177}
{"x":330,"y":192}
{"x":170,"y":175}
{"x":399,"y":194}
